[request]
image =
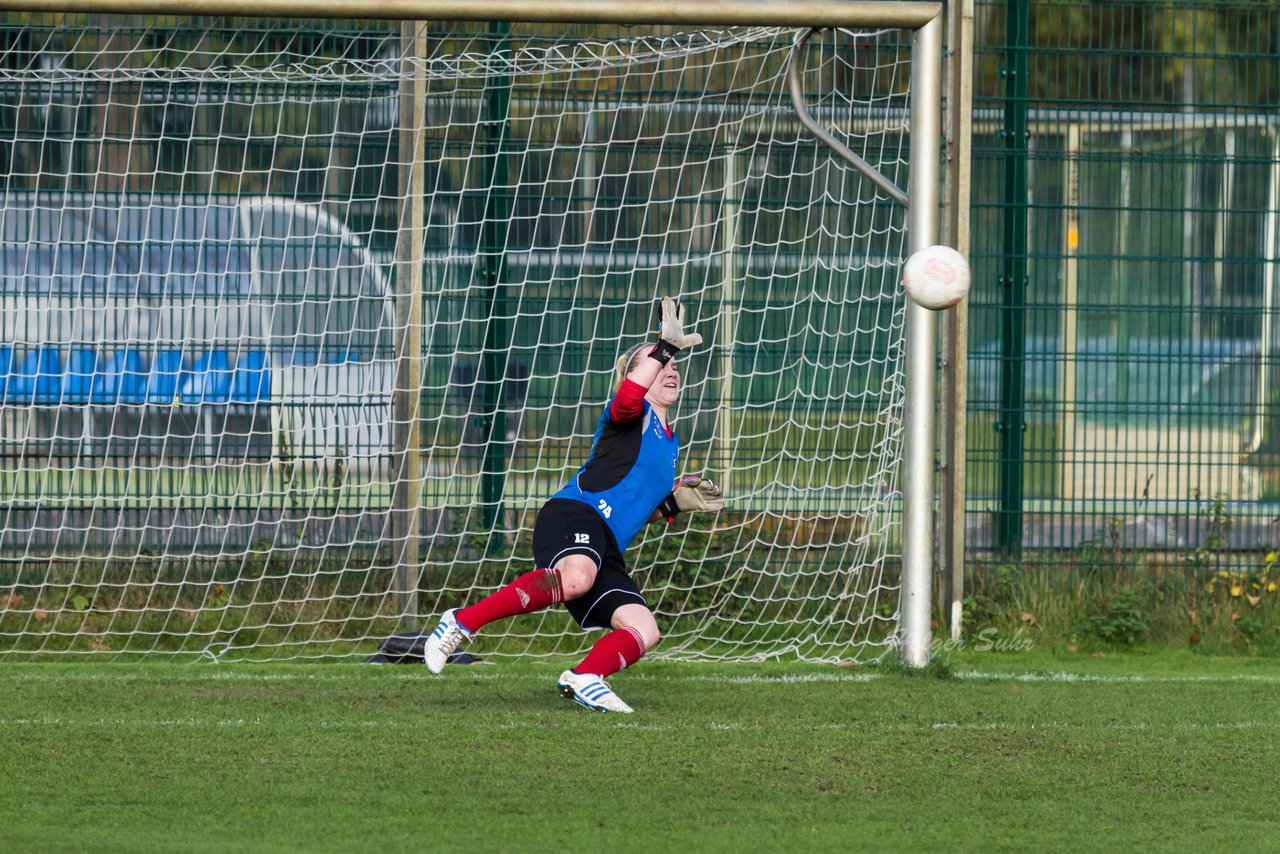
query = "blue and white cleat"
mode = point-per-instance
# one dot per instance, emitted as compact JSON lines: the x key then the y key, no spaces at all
{"x":591,"y":692}
{"x":447,"y":637}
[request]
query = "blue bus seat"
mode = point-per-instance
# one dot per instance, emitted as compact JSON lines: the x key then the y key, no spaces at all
{"x":252,"y":381}
{"x":209,"y":380}
{"x":6,"y":369}
{"x":123,"y":379}
{"x":162,"y":379}
{"x":81,"y":373}
{"x":37,"y":379}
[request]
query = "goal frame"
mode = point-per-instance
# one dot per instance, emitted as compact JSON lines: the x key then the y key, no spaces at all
{"x":898,"y":14}
{"x":923,"y":194}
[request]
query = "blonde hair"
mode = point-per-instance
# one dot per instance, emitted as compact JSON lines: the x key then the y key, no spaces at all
{"x":627,"y":361}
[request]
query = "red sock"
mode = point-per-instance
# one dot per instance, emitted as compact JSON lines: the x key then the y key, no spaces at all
{"x":532,"y":591}
{"x":616,"y":650}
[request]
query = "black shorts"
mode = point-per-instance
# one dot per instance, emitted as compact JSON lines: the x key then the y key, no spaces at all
{"x":567,"y":527}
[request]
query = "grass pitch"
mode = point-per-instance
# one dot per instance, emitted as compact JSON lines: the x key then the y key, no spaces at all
{"x":1013,"y":752}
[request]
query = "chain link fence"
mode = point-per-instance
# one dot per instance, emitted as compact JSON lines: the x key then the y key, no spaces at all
{"x":1123,"y":385}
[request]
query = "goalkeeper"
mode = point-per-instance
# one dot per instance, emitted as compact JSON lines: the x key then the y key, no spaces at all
{"x":582,"y":531}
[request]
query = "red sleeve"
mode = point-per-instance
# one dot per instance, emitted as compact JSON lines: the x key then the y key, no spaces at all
{"x":628,"y":403}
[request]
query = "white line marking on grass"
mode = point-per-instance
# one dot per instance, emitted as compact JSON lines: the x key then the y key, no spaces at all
{"x":1063,"y":676}
{"x":1005,"y":726}
{"x":409,"y":674}
{"x":780,"y":679}
{"x":575,"y":725}
{"x":130,"y":722}
{"x":421,"y":675}
{"x":107,"y":675}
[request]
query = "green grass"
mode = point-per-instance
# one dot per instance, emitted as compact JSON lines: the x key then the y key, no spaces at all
{"x":1012,"y":752}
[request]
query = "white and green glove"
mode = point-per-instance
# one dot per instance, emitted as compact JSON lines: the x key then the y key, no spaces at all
{"x":671,"y":334}
{"x":692,"y":494}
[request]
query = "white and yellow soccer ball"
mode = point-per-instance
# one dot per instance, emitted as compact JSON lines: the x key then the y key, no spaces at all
{"x":936,"y":277}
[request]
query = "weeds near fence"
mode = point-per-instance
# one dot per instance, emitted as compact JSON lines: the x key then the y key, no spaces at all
{"x":1107,"y":594}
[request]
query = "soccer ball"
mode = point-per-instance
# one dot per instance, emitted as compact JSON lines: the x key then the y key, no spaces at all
{"x":936,"y":277}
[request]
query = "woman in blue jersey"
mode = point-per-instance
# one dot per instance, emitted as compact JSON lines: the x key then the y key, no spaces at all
{"x":582,"y":531}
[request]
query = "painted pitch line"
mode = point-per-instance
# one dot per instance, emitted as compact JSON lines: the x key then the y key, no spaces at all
{"x":412,"y":673}
{"x":131,"y":722}
{"x":416,"y":674}
{"x":711,"y":727}
{"x":1091,"y":727}
{"x":1118,"y":679}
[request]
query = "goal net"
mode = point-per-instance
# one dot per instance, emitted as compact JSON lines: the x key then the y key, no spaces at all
{"x":224,"y":434}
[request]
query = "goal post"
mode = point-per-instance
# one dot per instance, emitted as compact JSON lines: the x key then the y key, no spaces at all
{"x":860,"y":14}
{"x":300,"y":324}
{"x":921,"y":357}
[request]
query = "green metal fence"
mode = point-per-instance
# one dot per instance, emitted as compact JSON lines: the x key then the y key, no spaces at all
{"x":1122,"y":376}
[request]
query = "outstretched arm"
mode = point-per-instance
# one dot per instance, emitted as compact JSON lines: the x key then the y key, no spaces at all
{"x":628,"y":403}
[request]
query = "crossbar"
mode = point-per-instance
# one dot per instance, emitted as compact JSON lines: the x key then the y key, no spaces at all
{"x":770,"y":13}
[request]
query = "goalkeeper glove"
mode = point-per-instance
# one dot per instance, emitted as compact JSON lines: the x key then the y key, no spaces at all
{"x":671,"y":334}
{"x":691,"y":494}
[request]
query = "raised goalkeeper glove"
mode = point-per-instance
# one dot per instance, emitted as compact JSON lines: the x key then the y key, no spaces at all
{"x":671,"y":334}
{"x":691,"y":494}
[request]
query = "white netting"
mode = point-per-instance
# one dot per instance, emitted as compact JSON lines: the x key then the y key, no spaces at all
{"x":199,"y":345}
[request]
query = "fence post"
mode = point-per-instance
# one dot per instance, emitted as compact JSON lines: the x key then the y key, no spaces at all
{"x":407,"y":489}
{"x":497,"y":336}
{"x":1013,"y":283}
{"x":955,"y":410}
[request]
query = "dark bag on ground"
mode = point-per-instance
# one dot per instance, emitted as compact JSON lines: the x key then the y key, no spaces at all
{"x":406,"y":648}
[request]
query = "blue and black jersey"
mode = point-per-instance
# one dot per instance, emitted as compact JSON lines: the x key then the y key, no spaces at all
{"x":631,"y":468}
